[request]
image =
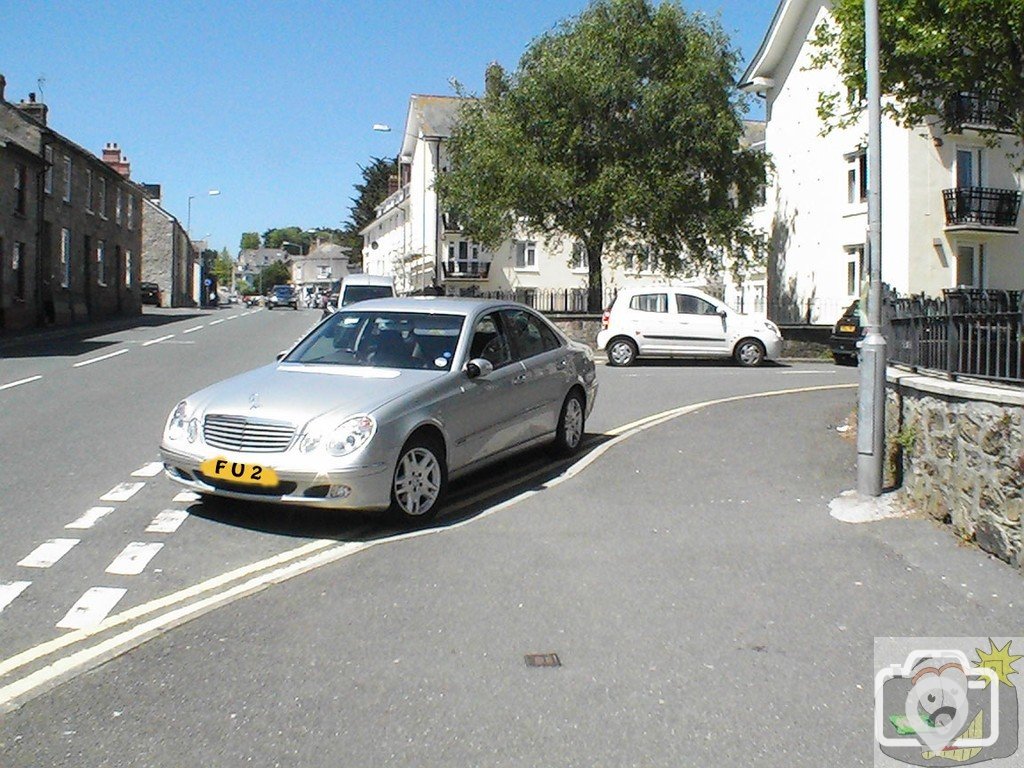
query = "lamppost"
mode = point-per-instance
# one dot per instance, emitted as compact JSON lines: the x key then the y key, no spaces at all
{"x":188,"y":219}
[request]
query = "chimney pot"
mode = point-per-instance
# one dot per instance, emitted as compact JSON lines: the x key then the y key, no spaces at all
{"x":31,"y":98}
{"x":3,"y":86}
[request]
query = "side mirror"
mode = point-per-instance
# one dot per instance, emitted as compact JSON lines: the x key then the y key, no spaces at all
{"x":478,"y":368}
{"x":723,"y":314}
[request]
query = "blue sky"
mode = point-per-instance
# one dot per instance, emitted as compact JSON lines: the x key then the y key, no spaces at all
{"x":272,"y":103}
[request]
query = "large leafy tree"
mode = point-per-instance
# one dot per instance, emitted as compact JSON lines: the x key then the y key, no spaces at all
{"x":621,"y":130}
{"x":370,"y":193}
{"x":931,"y":51}
{"x":276,"y":237}
{"x":250,"y":240}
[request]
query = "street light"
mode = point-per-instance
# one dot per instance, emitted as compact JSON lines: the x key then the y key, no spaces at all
{"x":188,"y":220}
{"x":382,"y":127}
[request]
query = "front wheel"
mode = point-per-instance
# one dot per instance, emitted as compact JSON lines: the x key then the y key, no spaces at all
{"x":749,"y":353}
{"x":420,"y":480}
{"x":621,"y":352}
{"x":571,"y":423}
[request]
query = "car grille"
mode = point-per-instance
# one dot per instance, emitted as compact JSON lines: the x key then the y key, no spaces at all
{"x":238,"y":433}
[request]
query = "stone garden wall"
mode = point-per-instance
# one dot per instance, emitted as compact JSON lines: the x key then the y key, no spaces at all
{"x":959,"y":451}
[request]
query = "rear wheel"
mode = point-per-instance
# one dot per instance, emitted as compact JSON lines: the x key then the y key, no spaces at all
{"x":571,"y":423}
{"x":419,"y":481}
{"x":749,"y":353}
{"x":622,"y":352}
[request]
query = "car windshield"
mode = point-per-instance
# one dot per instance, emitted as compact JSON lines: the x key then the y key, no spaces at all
{"x":283,"y":290}
{"x":354,"y":293}
{"x":382,"y":340}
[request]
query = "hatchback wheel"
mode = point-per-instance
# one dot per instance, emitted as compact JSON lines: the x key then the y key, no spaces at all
{"x":571,"y":424}
{"x":749,"y":353}
{"x":419,"y":481}
{"x":621,"y":352}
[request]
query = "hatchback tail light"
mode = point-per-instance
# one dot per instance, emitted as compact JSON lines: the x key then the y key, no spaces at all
{"x":605,"y":318}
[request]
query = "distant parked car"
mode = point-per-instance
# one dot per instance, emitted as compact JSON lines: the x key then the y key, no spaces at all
{"x":150,"y":293}
{"x":283,"y":296}
{"x":356,"y":288}
{"x":674,"y":321}
{"x":846,"y":333}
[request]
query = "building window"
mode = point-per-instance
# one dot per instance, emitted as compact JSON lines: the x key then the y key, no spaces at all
{"x":118,"y":206}
{"x":578,"y":262}
{"x":857,"y":177}
{"x":18,"y":270}
{"x":854,"y":269}
{"x":20,"y":189}
{"x":968,"y":167}
{"x":88,"y":190}
{"x":526,"y":254}
{"x":67,"y":179}
{"x":65,"y":257}
{"x":128,"y":268}
{"x":323,"y":272}
{"x":48,"y":175}
{"x":102,"y":207}
{"x":101,"y":262}
{"x":970,"y":266}
{"x":131,"y":212}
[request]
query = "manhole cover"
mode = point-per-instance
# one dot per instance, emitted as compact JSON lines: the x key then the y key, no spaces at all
{"x":543,"y":660}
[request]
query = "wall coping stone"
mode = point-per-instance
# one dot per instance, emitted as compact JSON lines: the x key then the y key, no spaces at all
{"x":957,"y":389}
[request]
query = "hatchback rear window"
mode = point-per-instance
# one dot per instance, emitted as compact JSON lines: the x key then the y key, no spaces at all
{"x":649,"y":302}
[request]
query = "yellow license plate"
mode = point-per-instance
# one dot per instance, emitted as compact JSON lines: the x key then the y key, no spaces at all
{"x":237,"y":472}
{"x":847,"y":328}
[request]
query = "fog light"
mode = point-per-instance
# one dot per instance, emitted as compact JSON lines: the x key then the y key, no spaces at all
{"x":339,"y":492}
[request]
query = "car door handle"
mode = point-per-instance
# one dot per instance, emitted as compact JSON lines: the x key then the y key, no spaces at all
{"x":560,"y":365}
{"x":520,"y":379}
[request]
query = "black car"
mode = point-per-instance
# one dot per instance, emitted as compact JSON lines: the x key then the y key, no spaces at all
{"x":149,"y":293}
{"x":846,"y":333}
{"x":283,"y":296}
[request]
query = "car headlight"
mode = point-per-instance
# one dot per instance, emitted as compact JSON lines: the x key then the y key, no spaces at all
{"x":182,"y":424}
{"x":347,"y":437}
{"x":772,"y":327}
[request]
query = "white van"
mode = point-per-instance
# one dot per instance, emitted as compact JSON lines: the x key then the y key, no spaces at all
{"x":361,"y":287}
{"x":674,"y":321}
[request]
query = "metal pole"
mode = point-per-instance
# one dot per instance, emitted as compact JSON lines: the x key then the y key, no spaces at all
{"x":871,"y":401}
{"x":188,"y":219}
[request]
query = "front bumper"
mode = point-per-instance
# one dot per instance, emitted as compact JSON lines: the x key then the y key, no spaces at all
{"x":773,"y":347}
{"x":365,"y":487}
{"x":843,"y":345}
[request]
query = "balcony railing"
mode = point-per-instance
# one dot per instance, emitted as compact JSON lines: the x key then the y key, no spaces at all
{"x":981,"y":207}
{"x":466,"y":270}
{"x":971,"y":110}
{"x":392,"y":200}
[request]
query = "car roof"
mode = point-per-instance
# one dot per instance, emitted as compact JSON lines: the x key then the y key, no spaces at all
{"x":363,"y":279}
{"x":455,"y":305}
{"x":659,"y":287}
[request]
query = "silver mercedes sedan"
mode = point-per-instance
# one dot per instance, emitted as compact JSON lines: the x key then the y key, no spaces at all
{"x":383,"y":403}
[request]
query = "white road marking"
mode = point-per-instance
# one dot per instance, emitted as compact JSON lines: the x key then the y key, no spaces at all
{"x":167,"y":521}
{"x":233,"y":317}
{"x":101,"y":357}
{"x":91,"y":608}
{"x":193,"y":330}
{"x":807,"y":373}
{"x":11,"y":590}
{"x":186,"y":496}
{"x":214,"y":322}
{"x":157,"y":341}
{"x":19,"y":382}
{"x":92,"y":516}
{"x":48,"y":553}
{"x":122,"y":492}
{"x":152,"y":469}
{"x":134,"y":558}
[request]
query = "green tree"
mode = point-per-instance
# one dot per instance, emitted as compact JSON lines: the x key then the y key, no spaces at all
{"x":931,"y":51}
{"x":223,"y":267}
{"x":274,"y":238}
{"x":250,"y":241}
{"x":369,"y":194}
{"x":620,"y":129}
{"x":278,"y":273}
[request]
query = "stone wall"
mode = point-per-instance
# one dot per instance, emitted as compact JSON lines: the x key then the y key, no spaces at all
{"x":959,"y":451}
{"x":578,"y":327}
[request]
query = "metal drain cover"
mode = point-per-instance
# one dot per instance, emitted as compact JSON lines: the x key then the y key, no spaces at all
{"x":543,"y":660}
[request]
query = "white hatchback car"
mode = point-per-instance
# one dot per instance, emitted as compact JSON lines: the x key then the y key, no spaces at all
{"x":671,"y":321}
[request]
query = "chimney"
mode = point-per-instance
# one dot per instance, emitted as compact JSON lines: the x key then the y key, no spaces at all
{"x":3,"y":85}
{"x":392,"y":185}
{"x":112,"y":156}
{"x":34,"y":109}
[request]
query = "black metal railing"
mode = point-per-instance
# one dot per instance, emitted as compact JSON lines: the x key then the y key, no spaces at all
{"x":571,"y":301}
{"x":466,"y":270}
{"x":972,"y":110}
{"x":969,"y":332}
{"x":983,"y":206}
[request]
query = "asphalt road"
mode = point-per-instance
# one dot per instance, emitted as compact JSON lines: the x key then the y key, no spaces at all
{"x":705,"y":607}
